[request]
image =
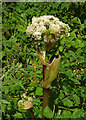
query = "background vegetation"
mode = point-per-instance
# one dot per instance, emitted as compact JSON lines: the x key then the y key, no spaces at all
{"x":22,"y":69}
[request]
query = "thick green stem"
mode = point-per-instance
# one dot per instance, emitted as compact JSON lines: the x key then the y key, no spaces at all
{"x":45,"y":95}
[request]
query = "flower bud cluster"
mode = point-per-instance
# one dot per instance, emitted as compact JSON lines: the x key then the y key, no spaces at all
{"x":47,"y":22}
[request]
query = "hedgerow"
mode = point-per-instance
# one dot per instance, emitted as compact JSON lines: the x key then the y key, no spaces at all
{"x":22,"y":69}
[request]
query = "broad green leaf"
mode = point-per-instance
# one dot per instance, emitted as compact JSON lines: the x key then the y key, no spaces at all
{"x":61,"y":95}
{"x":48,"y":112}
{"x":4,"y":108}
{"x":57,"y":53}
{"x":66,"y":114}
{"x":56,"y":101}
{"x":78,"y":113}
{"x":8,"y":107}
{"x":61,"y":48}
{"x":67,"y":102}
{"x":39,"y":91}
{"x":75,"y":20}
{"x":18,"y":115}
{"x":5,"y":102}
{"x":35,"y":100}
{"x":76,"y":99}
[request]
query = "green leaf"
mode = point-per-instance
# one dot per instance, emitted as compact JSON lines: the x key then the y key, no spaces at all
{"x":35,"y":100}
{"x":21,"y":28}
{"x":9,"y":107}
{"x":56,"y":101}
{"x":67,"y":102}
{"x":48,"y":112}
{"x":5,"y":102}
{"x":66,"y":114}
{"x":76,"y":99}
{"x":29,"y":68}
{"x":49,"y":36}
{"x":57,"y":53}
{"x":78,"y":113}
{"x":61,"y":48}
{"x":3,"y":108}
{"x":75,"y":20}
{"x":61,"y":95}
{"x":18,"y":115}
{"x":21,"y":54}
{"x":39,"y":91}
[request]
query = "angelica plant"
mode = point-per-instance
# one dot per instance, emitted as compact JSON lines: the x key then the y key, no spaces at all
{"x":49,"y":30}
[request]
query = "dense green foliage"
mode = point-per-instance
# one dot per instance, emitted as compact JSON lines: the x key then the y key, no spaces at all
{"x":22,"y":69}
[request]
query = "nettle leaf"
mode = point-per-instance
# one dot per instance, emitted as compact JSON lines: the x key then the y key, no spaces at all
{"x":61,"y":48}
{"x":67,"y":102}
{"x":61,"y":95}
{"x":18,"y":115}
{"x":76,"y":99}
{"x":48,"y":112}
{"x":40,"y":112}
{"x":3,"y":108}
{"x":57,"y":53}
{"x":39,"y":91}
{"x":66,"y":114}
{"x":5,"y":102}
{"x":75,"y":20}
{"x":36,"y":101}
{"x":78,"y":113}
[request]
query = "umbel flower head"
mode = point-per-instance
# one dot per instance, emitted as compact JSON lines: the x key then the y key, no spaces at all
{"x":47,"y":24}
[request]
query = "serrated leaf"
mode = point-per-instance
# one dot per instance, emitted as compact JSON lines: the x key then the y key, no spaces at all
{"x":48,"y":112}
{"x":39,"y":91}
{"x":57,"y":53}
{"x":4,"y":108}
{"x":60,"y":48}
{"x":67,"y":102}
{"x":5,"y":102}
{"x":66,"y":114}
{"x":76,"y":99}
{"x":18,"y":115}
{"x":35,"y":100}
{"x":78,"y":113}
{"x":61,"y":95}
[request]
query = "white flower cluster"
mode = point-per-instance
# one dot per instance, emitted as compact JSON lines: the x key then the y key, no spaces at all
{"x":46,"y":22}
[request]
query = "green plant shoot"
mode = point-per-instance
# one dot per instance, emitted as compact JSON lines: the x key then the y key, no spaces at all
{"x":51,"y":72}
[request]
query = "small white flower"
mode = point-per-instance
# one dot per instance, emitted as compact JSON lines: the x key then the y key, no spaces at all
{"x":42,"y":28}
{"x":37,"y":35}
{"x":34,"y":19}
{"x":42,"y":23}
